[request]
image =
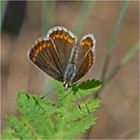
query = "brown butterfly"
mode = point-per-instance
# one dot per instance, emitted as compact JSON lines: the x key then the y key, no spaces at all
{"x":62,"y":56}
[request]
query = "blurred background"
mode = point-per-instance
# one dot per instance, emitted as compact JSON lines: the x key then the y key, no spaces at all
{"x":115,"y":25}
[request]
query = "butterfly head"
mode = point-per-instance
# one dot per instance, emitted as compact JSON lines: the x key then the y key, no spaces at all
{"x":66,"y":85}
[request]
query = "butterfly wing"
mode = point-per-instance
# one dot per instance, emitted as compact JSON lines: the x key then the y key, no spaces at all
{"x":44,"y":56}
{"x":64,"y":41}
{"x":86,"y":57}
{"x":52,"y":52}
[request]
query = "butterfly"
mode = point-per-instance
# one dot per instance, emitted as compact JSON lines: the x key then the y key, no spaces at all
{"x":62,"y":56}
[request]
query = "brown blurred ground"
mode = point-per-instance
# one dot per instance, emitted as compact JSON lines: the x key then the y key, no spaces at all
{"x":119,"y":115}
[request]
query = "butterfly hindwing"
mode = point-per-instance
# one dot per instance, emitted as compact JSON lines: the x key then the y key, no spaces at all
{"x":86,"y":57}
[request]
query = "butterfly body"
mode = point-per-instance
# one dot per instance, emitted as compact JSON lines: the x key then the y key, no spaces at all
{"x":61,"y":56}
{"x":69,"y":74}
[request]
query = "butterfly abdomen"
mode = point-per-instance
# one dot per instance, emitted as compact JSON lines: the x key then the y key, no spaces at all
{"x":69,"y":74}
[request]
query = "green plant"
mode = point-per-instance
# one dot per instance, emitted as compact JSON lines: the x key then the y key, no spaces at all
{"x":45,"y":119}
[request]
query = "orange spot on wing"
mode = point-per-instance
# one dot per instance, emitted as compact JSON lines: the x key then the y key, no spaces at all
{"x":90,"y":60}
{"x":53,"y":37}
{"x":89,"y":44}
{"x":35,"y":55}
{"x":40,"y":48}
{"x":61,"y":36}
{"x":70,"y":40}
{"x":65,"y":37}
{"x":86,"y":43}
{"x":49,"y":44}
{"x":57,"y":36}
{"x":37,"y":51}
{"x":33,"y":59}
{"x":83,"y":43}
{"x":44,"y":45}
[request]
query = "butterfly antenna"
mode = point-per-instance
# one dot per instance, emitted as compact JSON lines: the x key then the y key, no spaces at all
{"x":48,"y":93}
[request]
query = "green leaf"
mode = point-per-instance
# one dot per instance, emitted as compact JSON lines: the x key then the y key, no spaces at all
{"x":21,"y":128}
{"x":65,"y":119}
{"x":9,"y":134}
{"x":86,"y":88}
{"x":41,"y":111}
{"x":92,"y":105}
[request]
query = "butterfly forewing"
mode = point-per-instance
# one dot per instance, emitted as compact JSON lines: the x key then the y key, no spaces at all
{"x":86,"y":57}
{"x":64,"y":41}
{"x":44,"y":56}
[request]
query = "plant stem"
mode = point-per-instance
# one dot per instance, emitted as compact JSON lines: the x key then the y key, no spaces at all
{"x":47,"y":15}
{"x":123,"y":61}
{"x":84,"y":13}
{"x":114,"y":38}
{"x":131,"y":52}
